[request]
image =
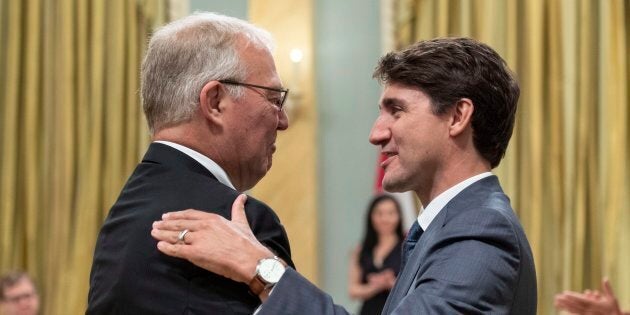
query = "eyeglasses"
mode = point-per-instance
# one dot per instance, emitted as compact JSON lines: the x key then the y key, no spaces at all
{"x":277,"y":98}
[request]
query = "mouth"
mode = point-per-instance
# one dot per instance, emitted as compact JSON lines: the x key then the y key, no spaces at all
{"x":389,"y":157}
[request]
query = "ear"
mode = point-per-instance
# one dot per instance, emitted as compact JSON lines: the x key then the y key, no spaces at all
{"x":461,"y":116}
{"x":210,"y":100}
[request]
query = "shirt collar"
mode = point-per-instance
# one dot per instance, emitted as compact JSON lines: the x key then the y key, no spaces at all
{"x":435,"y":206}
{"x":208,"y":163}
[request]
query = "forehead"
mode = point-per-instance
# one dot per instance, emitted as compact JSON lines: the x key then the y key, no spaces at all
{"x":385,"y":204}
{"x":259,"y":64}
{"x":23,"y":285}
{"x":398,"y":93}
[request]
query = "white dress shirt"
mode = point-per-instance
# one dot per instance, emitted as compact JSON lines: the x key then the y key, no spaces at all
{"x":212,"y":166}
{"x":435,"y":206}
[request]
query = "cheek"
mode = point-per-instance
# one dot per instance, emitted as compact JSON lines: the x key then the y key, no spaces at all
{"x":412,"y":147}
{"x":391,"y":221}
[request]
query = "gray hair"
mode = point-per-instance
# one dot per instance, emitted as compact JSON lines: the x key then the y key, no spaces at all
{"x":186,"y":54}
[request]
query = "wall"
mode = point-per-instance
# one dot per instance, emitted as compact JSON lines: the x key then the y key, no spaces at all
{"x":235,"y":8}
{"x":347,"y":37}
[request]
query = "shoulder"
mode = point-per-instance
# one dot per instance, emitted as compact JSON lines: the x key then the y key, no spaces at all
{"x":484,"y":209}
{"x":480,"y":239}
{"x":256,"y":209}
{"x":486,"y":226}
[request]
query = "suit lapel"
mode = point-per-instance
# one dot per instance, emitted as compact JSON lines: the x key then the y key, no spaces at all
{"x":412,"y":268}
{"x":469,"y":198}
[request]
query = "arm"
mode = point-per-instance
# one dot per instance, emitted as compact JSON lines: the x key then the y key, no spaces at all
{"x":296,"y":295}
{"x":229,"y":248}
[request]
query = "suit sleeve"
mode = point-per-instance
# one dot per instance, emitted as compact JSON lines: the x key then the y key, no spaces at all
{"x":293,"y":294}
{"x":471,"y":270}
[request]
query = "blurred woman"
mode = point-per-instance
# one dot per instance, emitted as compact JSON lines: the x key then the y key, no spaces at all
{"x":376,"y":262}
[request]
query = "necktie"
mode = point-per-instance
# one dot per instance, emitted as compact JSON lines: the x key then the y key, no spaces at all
{"x":410,"y":242}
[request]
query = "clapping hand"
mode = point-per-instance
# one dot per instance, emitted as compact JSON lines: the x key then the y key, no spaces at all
{"x":590,"y":302}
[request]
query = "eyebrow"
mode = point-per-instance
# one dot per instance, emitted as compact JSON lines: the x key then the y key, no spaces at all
{"x":391,"y":102}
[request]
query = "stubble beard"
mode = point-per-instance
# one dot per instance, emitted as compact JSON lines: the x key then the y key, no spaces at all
{"x":395,"y":183}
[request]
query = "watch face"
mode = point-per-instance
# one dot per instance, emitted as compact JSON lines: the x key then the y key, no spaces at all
{"x":270,"y":270}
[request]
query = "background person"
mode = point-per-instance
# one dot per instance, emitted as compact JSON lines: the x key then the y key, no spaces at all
{"x":18,"y":294}
{"x":376,"y":262}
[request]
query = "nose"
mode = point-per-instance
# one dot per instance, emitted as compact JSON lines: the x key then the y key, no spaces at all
{"x":283,"y":120}
{"x":380,"y":133}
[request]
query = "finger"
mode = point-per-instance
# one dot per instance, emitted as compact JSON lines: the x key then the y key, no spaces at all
{"x":579,"y":300}
{"x":171,"y":236}
{"x":606,"y":287}
{"x":189,"y":214}
{"x":238,"y":210}
{"x":175,"y":250}
{"x":165,"y":236}
{"x":572,"y":302}
{"x":178,"y":225}
{"x":569,"y":305}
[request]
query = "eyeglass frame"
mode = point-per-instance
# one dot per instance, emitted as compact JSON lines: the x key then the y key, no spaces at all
{"x":284,"y":92}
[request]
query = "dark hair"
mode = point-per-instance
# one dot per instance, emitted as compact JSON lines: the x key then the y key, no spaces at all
{"x":449,"y":69}
{"x":10,"y":279}
{"x":371,"y":237}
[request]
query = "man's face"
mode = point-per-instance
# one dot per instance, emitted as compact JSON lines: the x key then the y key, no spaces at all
{"x":20,"y":299}
{"x":412,"y":137}
{"x":254,"y":121}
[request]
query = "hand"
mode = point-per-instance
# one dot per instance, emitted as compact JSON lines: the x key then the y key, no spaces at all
{"x":381,"y":281}
{"x":390,"y":278}
{"x":227,"y":248}
{"x":589,"y":302}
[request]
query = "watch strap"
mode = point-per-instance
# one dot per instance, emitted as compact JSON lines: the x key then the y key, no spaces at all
{"x":257,"y":285}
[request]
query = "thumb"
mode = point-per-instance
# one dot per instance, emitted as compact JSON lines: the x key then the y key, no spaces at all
{"x":607,"y":288}
{"x":238,"y":210}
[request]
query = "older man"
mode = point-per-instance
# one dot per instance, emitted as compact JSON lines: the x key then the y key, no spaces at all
{"x":446,"y":117}
{"x":18,"y":295}
{"x":213,"y":102}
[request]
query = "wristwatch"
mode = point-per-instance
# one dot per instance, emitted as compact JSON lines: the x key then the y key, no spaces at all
{"x":268,"y":273}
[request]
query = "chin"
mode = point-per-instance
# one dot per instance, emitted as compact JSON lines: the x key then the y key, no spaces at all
{"x":394,"y":186}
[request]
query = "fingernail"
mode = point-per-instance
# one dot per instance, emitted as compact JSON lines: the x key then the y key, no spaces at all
{"x":166,"y":215}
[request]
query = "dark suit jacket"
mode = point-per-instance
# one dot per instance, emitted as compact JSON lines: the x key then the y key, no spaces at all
{"x":130,"y":276}
{"x":473,"y":258}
